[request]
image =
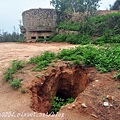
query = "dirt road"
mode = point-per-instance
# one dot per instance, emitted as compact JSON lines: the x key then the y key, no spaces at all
{"x":13,"y":101}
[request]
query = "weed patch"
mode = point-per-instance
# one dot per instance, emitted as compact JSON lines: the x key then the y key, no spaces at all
{"x":105,"y":27}
{"x":15,"y":83}
{"x":58,"y":102}
{"x":117,"y":76}
{"x":104,"y":59}
{"x":22,"y":90}
{"x":42,"y":60}
{"x":16,"y":65}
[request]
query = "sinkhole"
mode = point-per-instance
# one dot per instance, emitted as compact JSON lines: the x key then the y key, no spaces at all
{"x":64,"y":82}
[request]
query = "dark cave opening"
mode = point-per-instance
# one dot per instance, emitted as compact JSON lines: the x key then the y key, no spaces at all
{"x":64,"y":84}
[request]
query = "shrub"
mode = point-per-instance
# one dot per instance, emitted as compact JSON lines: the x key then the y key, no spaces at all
{"x":42,"y":60}
{"x":16,"y":65}
{"x":21,"y":39}
{"x":40,"y":40}
{"x":59,"y":38}
{"x":69,"y":25}
{"x":58,"y":102}
{"x":22,"y":90}
{"x":118,"y":87}
{"x":104,"y":58}
{"x":73,"y":38}
{"x":117,"y":76}
{"x":53,"y":65}
{"x":108,"y":39}
{"x":15,"y":83}
{"x":76,"y":62}
{"x":107,"y":27}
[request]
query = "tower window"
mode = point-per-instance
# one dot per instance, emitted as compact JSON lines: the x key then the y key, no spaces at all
{"x":33,"y":37}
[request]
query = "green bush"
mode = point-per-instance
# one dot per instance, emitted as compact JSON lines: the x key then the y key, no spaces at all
{"x":58,"y":102}
{"x":22,"y":90}
{"x":105,"y":59}
{"x":40,"y":40}
{"x":59,"y":38}
{"x":72,"y":38}
{"x":105,"y":24}
{"x":108,"y":39}
{"x":16,"y":83}
{"x":16,"y":65}
{"x":69,"y":25}
{"x":117,"y":76}
{"x":42,"y":60}
{"x":105,"y":27}
{"x":21,"y":39}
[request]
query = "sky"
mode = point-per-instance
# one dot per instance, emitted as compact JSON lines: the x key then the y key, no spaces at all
{"x":11,"y":11}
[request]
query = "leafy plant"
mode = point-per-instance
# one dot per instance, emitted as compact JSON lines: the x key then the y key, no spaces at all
{"x":70,"y":100}
{"x":22,"y":90}
{"x":56,"y":60}
{"x":42,"y":60}
{"x":16,"y":83}
{"x":69,"y":25}
{"x":118,"y":87}
{"x":40,"y":40}
{"x":117,"y":76}
{"x":59,"y":38}
{"x":58,"y":102}
{"x":104,"y":59}
{"x":16,"y":65}
{"x":76,"y":62}
{"x":105,"y":27}
{"x":53,"y":65}
{"x":21,"y":39}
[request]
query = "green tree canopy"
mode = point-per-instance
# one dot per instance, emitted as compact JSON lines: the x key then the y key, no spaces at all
{"x":116,"y":5}
{"x":68,"y":6}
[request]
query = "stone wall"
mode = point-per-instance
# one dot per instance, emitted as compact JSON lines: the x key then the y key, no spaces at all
{"x":39,"y":19}
{"x":33,"y":35}
{"x":104,"y":12}
{"x":38,"y":23}
{"x":78,"y":17}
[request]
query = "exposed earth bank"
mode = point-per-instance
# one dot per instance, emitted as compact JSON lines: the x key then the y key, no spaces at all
{"x":89,"y":105}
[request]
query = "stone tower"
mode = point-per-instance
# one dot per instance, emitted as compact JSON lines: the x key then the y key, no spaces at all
{"x":38,"y":23}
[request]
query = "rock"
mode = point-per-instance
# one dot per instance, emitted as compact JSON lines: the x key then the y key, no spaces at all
{"x":109,"y":97}
{"x":73,"y":106}
{"x":83,"y":105}
{"x":26,"y":56}
{"x":111,"y":105}
{"x":105,"y":104}
{"x":96,"y":80}
{"x":69,"y":108}
{"x":94,"y":115}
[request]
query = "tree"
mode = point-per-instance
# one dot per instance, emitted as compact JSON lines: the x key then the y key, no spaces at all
{"x":116,"y":5}
{"x":60,"y":7}
{"x":9,"y":37}
{"x":69,"y":6}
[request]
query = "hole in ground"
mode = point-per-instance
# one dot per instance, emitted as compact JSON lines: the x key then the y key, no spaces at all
{"x":64,"y":82}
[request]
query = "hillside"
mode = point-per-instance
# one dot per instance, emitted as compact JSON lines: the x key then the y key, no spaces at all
{"x":96,"y":30}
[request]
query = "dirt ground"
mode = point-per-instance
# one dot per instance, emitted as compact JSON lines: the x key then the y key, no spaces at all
{"x":101,"y":88}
